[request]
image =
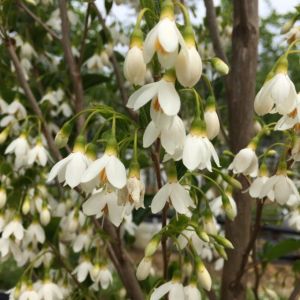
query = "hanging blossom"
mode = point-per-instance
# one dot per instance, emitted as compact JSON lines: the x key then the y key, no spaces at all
{"x":173,"y":288}
{"x":164,"y":38}
{"x":165,"y":92}
{"x":278,"y":94}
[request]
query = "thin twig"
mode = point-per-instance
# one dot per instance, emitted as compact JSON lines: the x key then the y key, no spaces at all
{"x":37,"y":19}
{"x":85,"y":31}
{"x":30,"y":96}
{"x":73,"y":67}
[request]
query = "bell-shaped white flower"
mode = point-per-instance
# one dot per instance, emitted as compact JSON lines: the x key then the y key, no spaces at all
{"x":20,"y":148}
{"x":105,"y":277}
{"x":198,"y":151}
{"x":34,"y":234}
{"x":278,"y":92}
{"x":284,"y":189}
{"x":105,"y":202}
{"x":191,"y":292}
{"x":94,"y":63}
{"x":27,"y":51}
{"x":29,"y":294}
{"x":14,"y":228}
{"x":82,"y":241}
{"x":174,"y":193}
{"x":212,"y":122}
{"x":164,"y":38}
{"x":71,"y":168}
{"x":256,"y":187}
{"x":50,"y":291}
{"x":108,"y":168}
{"x":174,"y":288}
{"x":134,"y":64}
{"x":17,"y":109}
{"x":172,"y":137}
{"x":188,"y":64}
{"x":144,"y":268}
{"x":83,"y":269}
{"x":190,"y":235}
{"x":38,"y":154}
{"x":165,"y":92}
{"x":245,"y":162}
{"x":292,"y":219}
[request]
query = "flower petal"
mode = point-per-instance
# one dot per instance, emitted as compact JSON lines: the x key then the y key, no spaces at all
{"x":116,"y":172}
{"x":160,"y":199}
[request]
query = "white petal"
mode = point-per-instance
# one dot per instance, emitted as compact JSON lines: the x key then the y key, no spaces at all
{"x":168,"y":98}
{"x":95,"y":168}
{"x":161,"y":291}
{"x":160,"y":199}
{"x":150,"y":135}
{"x":116,"y":172}
{"x":192,"y":152}
{"x":75,"y":168}
{"x":167,"y":35}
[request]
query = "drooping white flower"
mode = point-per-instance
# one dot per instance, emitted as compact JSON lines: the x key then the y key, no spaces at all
{"x":108,"y":168}
{"x":164,"y":39}
{"x":50,"y":291}
{"x":172,"y":138}
{"x":188,"y":65}
{"x":283,"y":188}
{"x":14,"y":228}
{"x":292,"y":219}
{"x":198,"y":151}
{"x":288,"y":121}
{"x":27,"y":51}
{"x":278,"y":93}
{"x":17,"y":109}
{"x":105,"y":277}
{"x":134,"y":64}
{"x":256,"y":188}
{"x":175,"y":194}
{"x":38,"y":154}
{"x":71,"y":168}
{"x":191,"y":292}
{"x":105,"y":202}
{"x":94,"y":63}
{"x":20,"y":148}
{"x":174,"y":288}
{"x":83,"y":269}
{"x":34,"y":234}
{"x":144,"y":268}
{"x":82,"y":241}
{"x":245,"y":162}
{"x":165,"y":92}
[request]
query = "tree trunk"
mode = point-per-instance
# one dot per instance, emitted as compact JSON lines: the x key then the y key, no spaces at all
{"x":241,"y":93}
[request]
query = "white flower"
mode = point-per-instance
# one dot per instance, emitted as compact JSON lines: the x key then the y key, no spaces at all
{"x":83,"y":269}
{"x":38,"y":154}
{"x":278,"y":93}
{"x":256,"y":187}
{"x":27,"y":51}
{"x":107,"y":168}
{"x":217,"y":205}
{"x":82,"y":241}
{"x":134,"y":66}
{"x":163,"y":39}
{"x":212,"y":123}
{"x":283,"y":188}
{"x":29,"y":294}
{"x":19,"y":147}
{"x":288,"y":121}
{"x":70,"y":169}
{"x":15,"y":228}
{"x":172,"y":137}
{"x":245,"y":162}
{"x":49,"y":291}
{"x":293,"y":219}
{"x":105,"y":277}
{"x":164,"y":89}
{"x":198,"y":151}
{"x":190,"y":235}
{"x":160,"y":119}
{"x":177,"y":195}
{"x":174,"y":288}
{"x":105,"y":202}
{"x":45,"y":216}
{"x":191,"y":292}
{"x":34,"y":234}
{"x":17,"y":109}
{"x":144,"y":268}
{"x":94,"y":63}
{"x":188,"y":66}
{"x":133,"y":192}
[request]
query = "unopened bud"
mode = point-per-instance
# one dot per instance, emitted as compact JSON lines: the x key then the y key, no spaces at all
{"x":229,"y":211}
{"x":221,"y":251}
{"x":26,"y":206}
{"x":62,"y":137}
{"x":219,"y":65}
{"x":153,"y":245}
{"x":45,"y":216}
{"x":203,"y":276}
{"x":223,"y":241}
{"x":4,"y":135}
{"x":287,"y":26}
{"x":144,"y":268}
{"x":3,"y":197}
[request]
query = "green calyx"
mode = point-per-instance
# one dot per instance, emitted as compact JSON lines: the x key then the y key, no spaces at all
{"x":189,"y":36}
{"x":136,"y":39}
{"x":170,"y":75}
{"x":111,"y":146}
{"x":91,"y":151}
{"x":198,"y":127}
{"x":79,"y":145}
{"x":167,"y":10}
{"x":210,"y":103}
{"x":134,"y":169}
{"x":282,"y":65}
{"x":171,"y":171}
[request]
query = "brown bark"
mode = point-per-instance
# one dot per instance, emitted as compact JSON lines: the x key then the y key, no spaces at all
{"x":241,"y":93}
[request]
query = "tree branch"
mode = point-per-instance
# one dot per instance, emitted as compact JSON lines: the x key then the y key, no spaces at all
{"x":71,"y":63}
{"x":214,"y":31}
{"x":37,"y":19}
{"x":30,"y":96}
{"x":296,"y":291}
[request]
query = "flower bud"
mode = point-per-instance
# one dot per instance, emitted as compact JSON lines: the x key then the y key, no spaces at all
{"x":45,"y":216}
{"x":4,"y":135}
{"x":223,"y":241}
{"x":203,"y":276}
{"x":229,"y":211}
{"x":3,"y":197}
{"x":219,"y":65}
{"x":144,"y":268}
{"x":221,"y":251}
{"x":26,"y":206}
{"x":62,"y":137}
{"x":153,"y":245}
{"x":287,"y":26}
{"x":212,"y":122}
